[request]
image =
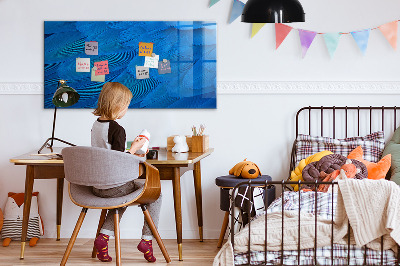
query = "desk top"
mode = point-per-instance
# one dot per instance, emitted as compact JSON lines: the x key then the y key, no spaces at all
{"x":164,"y":157}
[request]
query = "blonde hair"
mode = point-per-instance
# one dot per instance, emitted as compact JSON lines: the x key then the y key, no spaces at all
{"x":112,"y":99}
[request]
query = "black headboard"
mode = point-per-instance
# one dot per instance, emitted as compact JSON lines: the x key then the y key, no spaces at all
{"x":344,"y":121}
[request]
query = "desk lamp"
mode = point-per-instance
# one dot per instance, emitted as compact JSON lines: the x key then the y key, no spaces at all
{"x":273,"y":11}
{"x":63,"y":97}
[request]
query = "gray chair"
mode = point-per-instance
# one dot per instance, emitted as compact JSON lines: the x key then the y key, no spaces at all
{"x":85,"y":167}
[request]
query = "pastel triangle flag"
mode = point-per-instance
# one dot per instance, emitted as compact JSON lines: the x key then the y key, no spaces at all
{"x":361,"y":37}
{"x":332,"y":41}
{"x":213,"y":2}
{"x":281,"y":31}
{"x":237,"y":8}
{"x":306,"y":39}
{"x":256,"y":27}
{"x":389,"y":30}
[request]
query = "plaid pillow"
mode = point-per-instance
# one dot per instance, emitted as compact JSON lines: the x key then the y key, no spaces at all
{"x":372,"y":145}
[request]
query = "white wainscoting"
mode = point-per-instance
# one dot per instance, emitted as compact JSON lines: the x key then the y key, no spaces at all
{"x":260,"y":87}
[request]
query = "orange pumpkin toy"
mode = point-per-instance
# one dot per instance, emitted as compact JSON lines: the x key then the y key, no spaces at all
{"x":245,"y":169}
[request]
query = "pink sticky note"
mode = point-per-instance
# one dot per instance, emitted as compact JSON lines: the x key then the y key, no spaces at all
{"x":102,"y":68}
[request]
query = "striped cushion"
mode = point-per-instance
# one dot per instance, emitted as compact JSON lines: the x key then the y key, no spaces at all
{"x":13,"y":228}
{"x":372,"y":145}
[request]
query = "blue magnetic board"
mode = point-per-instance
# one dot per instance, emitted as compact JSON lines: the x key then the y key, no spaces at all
{"x":187,"y":47}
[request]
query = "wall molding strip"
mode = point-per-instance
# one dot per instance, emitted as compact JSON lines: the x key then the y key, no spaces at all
{"x":259,"y":87}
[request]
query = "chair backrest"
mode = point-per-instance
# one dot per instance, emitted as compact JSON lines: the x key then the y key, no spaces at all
{"x":92,"y":166}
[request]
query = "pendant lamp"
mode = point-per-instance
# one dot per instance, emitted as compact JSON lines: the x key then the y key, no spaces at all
{"x":272,"y":11}
{"x":63,"y":97}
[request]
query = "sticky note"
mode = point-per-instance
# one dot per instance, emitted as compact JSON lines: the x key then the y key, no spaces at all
{"x":98,"y":78}
{"x":83,"y":64}
{"x":151,"y":61}
{"x":164,"y":67}
{"x":145,"y":48}
{"x":102,"y":67}
{"x":142,"y":72}
{"x":91,"y":48}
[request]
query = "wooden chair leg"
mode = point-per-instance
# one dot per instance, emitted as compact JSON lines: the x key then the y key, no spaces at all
{"x":223,"y":229}
{"x":101,"y":222}
{"x":154,"y":230}
{"x":117,"y":238}
{"x":73,"y":237}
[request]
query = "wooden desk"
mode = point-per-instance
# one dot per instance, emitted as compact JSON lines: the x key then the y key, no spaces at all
{"x":171,"y":167}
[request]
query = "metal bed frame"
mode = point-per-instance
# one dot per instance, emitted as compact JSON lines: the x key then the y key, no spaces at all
{"x":283,"y":184}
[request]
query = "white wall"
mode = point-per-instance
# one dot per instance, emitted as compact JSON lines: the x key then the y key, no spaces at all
{"x":258,"y":127}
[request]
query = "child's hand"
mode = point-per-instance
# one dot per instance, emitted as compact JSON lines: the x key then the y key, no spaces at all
{"x":143,"y":155}
{"x":137,"y":144}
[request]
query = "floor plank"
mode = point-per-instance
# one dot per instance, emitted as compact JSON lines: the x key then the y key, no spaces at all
{"x":49,"y":252}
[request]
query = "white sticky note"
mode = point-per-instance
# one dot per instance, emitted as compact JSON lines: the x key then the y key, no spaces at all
{"x":151,"y":61}
{"x":142,"y":72}
{"x":83,"y":64}
{"x":98,"y":78}
{"x":91,"y":48}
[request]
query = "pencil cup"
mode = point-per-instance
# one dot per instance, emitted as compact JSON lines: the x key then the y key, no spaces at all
{"x":200,"y":143}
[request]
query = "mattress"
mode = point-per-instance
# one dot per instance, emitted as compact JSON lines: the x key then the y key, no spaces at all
{"x":322,"y":204}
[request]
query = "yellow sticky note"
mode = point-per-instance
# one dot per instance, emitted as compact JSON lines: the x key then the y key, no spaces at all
{"x":145,"y":48}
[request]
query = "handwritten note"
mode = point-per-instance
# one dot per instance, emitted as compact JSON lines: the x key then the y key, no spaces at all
{"x":98,"y":78}
{"x":145,"y":48}
{"x":164,"y":67}
{"x":102,"y":67}
{"x":83,"y":65}
{"x":151,"y":61}
{"x":142,"y":72}
{"x":91,"y":48}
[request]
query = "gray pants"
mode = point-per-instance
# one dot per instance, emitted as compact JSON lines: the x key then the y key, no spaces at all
{"x":153,"y":208}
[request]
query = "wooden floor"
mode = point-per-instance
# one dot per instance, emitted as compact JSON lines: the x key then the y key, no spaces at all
{"x":50,"y":252}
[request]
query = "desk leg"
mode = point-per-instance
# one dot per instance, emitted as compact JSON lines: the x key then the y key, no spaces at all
{"x":199,"y":204}
{"x":60,"y":190}
{"x":176,"y":182}
{"x":27,"y":206}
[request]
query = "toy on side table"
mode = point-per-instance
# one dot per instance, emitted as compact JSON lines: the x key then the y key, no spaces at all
{"x":245,"y":169}
{"x":180,"y":144}
{"x":13,"y":215}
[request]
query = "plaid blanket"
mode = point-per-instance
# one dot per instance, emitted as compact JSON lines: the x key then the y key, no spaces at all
{"x":323,"y":205}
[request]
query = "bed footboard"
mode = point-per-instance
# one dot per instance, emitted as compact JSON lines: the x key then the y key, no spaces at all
{"x":309,"y":256}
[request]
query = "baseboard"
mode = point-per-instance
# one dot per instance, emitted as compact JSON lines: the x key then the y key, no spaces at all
{"x":258,"y":87}
{"x":135,"y":233}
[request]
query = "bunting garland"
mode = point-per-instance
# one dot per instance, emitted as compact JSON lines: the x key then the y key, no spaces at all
{"x":281,"y":31}
{"x":389,"y":30}
{"x":332,"y":41}
{"x":237,"y":8}
{"x":361,"y":37}
{"x":213,"y":2}
{"x":256,"y":27}
{"x":306,"y":39}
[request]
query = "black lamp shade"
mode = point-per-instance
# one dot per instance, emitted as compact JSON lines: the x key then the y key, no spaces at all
{"x":273,"y":11}
{"x":65,"y":95}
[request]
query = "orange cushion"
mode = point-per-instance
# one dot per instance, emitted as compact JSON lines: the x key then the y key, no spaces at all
{"x":375,"y":170}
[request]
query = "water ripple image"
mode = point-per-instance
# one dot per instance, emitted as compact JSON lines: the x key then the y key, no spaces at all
{"x":189,"y":46}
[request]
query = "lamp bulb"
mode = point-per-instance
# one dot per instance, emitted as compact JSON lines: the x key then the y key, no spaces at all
{"x":64,"y":97}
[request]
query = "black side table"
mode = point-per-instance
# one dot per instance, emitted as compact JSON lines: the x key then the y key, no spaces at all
{"x":226,"y":183}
